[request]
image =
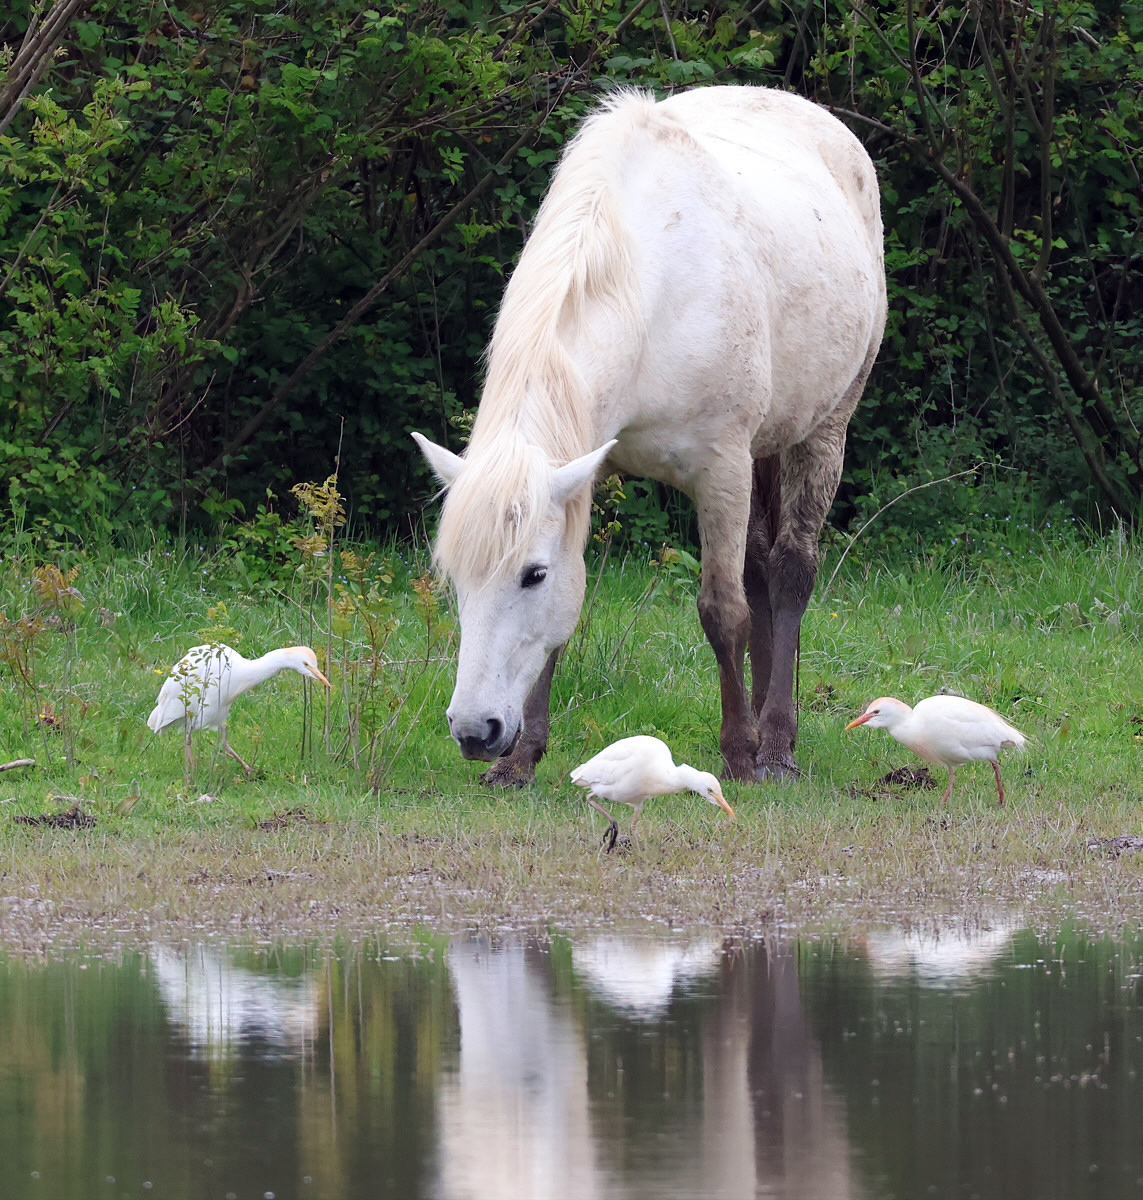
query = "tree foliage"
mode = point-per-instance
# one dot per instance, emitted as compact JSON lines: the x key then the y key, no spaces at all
{"x":241,"y":243}
{"x":1024,"y":126}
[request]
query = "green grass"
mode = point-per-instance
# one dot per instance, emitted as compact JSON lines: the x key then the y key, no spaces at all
{"x":1049,"y":636}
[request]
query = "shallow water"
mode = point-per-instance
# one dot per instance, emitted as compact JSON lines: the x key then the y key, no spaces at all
{"x":992,"y":1064}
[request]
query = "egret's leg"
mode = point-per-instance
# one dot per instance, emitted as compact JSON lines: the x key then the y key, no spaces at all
{"x":612,"y":830}
{"x":949,"y":789}
{"x":999,"y":785}
{"x":226,"y":746}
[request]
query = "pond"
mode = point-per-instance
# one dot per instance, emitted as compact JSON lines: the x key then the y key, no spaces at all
{"x":992,"y":1062}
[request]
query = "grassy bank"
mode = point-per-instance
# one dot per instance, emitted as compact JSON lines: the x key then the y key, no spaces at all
{"x":364,"y":816}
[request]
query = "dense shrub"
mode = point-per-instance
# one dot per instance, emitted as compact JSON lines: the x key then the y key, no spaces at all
{"x":241,"y":243}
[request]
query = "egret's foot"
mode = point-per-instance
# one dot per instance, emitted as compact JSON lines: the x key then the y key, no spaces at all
{"x":240,"y":761}
{"x":777,"y":770}
{"x":509,"y":772}
{"x":610,"y":837}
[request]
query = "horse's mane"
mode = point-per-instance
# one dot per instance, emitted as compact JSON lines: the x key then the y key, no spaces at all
{"x":535,"y":409}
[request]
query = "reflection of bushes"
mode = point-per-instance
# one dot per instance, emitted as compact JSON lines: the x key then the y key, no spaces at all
{"x":1044,"y":1038}
{"x":352,"y":1082}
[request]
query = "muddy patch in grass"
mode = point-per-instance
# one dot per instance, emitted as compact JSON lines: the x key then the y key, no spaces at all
{"x":901,"y":779}
{"x":72,"y":817}
{"x":292,"y":817}
{"x":394,"y":871}
{"x":1124,"y":843}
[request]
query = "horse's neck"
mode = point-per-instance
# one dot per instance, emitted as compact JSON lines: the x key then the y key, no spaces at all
{"x":567,"y":339}
{"x":558,"y":402}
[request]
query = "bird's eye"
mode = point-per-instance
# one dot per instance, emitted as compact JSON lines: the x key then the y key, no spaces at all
{"x":533,"y":577}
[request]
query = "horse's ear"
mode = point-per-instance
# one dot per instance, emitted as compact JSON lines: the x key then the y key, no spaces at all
{"x":570,"y":478}
{"x":446,"y":465}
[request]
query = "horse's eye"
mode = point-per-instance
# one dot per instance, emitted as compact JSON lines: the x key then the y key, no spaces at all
{"x":533,"y":577}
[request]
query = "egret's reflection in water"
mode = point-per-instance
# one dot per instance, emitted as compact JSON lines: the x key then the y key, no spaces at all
{"x":639,"y":977}
{"x":219,"y":1005}
{"x":990,"y":1062}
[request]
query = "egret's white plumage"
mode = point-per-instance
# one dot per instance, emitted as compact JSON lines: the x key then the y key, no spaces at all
{"x":945,"y":730}
{"x":634,"y":769}
{"x":206,"y":681}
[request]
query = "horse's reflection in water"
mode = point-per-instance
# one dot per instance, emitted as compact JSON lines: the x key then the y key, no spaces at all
{"x":635,"y":1067}
{"x":514,"y":1117}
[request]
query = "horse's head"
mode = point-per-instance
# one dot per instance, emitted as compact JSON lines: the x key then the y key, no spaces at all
{"x":511,"y":540}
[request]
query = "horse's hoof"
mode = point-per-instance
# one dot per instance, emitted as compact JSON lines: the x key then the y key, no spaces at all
{"x":777,"y":771}
{"x":508,"y":774}
{"x":741,"y":771}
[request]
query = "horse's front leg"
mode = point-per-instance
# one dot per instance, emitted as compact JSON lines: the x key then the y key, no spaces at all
{"x":518,"y":768}
{"x":723,"y":611}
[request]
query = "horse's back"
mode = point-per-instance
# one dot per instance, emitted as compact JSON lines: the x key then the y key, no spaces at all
{"x":789,"y":129}
{"x":790,"y":134}
{"x":731,"y":187}
{"x":752,"y":224}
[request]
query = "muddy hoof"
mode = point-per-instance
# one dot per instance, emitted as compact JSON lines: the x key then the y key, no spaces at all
{"x":778,"y":770}
{"x":508,"y":774}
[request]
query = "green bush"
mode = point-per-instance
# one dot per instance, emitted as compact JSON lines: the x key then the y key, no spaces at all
{"x":242,"y":242}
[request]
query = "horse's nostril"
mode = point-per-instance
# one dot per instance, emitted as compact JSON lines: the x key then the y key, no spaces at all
{"x":483,"y":739}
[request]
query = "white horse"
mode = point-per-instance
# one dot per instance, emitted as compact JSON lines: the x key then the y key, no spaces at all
{"x":700,"y":302}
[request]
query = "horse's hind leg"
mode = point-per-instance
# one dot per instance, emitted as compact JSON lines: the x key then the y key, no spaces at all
{"x":809,"y":476}
{"x":765,"y":509}
{"x":723,"y":611}
{"x":518,"y":768}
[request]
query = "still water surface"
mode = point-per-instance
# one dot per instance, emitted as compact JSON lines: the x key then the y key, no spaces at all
{"x":998,"y":1064}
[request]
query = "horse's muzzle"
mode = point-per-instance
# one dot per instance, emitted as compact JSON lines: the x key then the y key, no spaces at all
{"x":492,"y":742}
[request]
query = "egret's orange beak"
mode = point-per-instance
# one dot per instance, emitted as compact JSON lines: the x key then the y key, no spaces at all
{"x":720,"y":800}
{"x":318,"y":675}
{"x":860,"y":720}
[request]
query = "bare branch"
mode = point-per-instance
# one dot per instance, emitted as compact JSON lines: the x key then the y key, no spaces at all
{"x":35,"y":55}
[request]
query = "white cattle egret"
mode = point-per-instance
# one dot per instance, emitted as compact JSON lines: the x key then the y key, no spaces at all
{"x":206,"y":681}
{"x":634,"y":769}
{"x":946,"y":730}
